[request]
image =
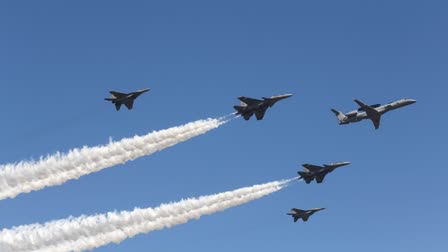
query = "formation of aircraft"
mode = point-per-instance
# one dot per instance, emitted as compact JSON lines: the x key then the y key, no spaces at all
{"x":251,"y":106}
{"x":127,"y":99}
{"x":372,"y":112}
{"x":303,"y":214}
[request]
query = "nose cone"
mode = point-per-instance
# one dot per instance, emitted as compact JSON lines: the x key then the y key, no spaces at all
{"x":410,"y":101}
{"x":280,"y":97}
{"x":285,"y":96}
{"x":319,"y":209}
{"x":339,"y":164}
{"x":141,"y":91}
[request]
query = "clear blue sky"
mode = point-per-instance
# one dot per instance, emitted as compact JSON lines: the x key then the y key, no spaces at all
{"x":59,"y":59}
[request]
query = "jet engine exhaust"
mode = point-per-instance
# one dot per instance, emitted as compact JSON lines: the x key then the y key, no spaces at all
{"x":56,"y":169}
{"x":89,"y":232}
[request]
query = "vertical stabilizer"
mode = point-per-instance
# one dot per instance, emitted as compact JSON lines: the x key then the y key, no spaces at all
{"x":341,"y":117}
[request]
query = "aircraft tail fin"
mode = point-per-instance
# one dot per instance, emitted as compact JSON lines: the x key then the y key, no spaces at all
{"x":341,"y":117}
{"x":302,"y":174}
{"x":117,"y":106}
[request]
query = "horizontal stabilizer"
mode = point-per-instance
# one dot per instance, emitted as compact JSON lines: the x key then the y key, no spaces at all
{"x":238,"y":108}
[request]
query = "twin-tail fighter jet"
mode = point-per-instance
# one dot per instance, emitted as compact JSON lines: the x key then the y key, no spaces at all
{"x":303,"y":214}
{"x":251,"y":106}
{"x":119,"y":99}
{"x":312,"y":172}
{"x":372,"y":112}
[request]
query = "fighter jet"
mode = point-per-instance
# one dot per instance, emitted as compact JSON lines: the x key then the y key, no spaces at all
{"x":304,"y":214}
{"x":250,"y":106}
{"x":312,"y":172}
{"x":122,"y":98}
{"x":372,"y":112}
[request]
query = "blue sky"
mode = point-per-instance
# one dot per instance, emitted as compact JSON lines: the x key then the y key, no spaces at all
{"x":58,"y":61}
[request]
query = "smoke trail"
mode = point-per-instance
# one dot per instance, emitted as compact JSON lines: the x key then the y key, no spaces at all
{"x":89,"y":232}
{"x":56,"y":169}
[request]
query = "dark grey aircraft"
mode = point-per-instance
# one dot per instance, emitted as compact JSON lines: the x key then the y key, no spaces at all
{"x":312,"y":172}
{"x":372,"y":112}
{"x":250,"y":106}
{"x":119,"y":99}
{"x":303,"y":214}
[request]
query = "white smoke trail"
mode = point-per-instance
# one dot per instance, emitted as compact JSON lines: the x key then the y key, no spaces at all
{"x":56,"y":169}
{"x":89,"y":232}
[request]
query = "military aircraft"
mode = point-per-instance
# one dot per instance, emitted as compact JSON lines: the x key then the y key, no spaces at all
{"x":250,"y":106}
{"x":312,"y":172}
{"x":304,"y":214}
{"x":122,"y":98}
{"x":372,"y":112}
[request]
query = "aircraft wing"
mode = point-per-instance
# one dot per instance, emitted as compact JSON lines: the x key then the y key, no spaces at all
{"x":313,"y":168}
{"x":296,"y":218}
{"x":129,"y":104}
{"x":296,"y":210}
{"x":260,"y":113}
{"x":249,"y":101}
{"x":320,"y":178}
{"x":305,"y":217}
{"x":117,"y":106}
{"x":373,"y":114}
{"x":376,"y":121}
{"x":118,"y":94}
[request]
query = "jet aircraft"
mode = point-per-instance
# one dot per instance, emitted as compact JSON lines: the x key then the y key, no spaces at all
{"x":119,"y":99}
{"x":303,"y":214}
{"x":312,"y":172}
{"x":250,"y":106}
{"x":372,"y":112}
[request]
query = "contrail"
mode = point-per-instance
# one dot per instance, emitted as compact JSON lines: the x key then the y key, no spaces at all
{"x":89,"y":232}
{"x":24,"y":177}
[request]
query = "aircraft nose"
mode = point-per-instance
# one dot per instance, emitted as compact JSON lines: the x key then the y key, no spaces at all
{"x":411,"y":101}
{"x":285,"y":96}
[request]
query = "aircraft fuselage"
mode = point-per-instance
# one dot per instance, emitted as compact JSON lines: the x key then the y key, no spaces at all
{"x":360,"y":114}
